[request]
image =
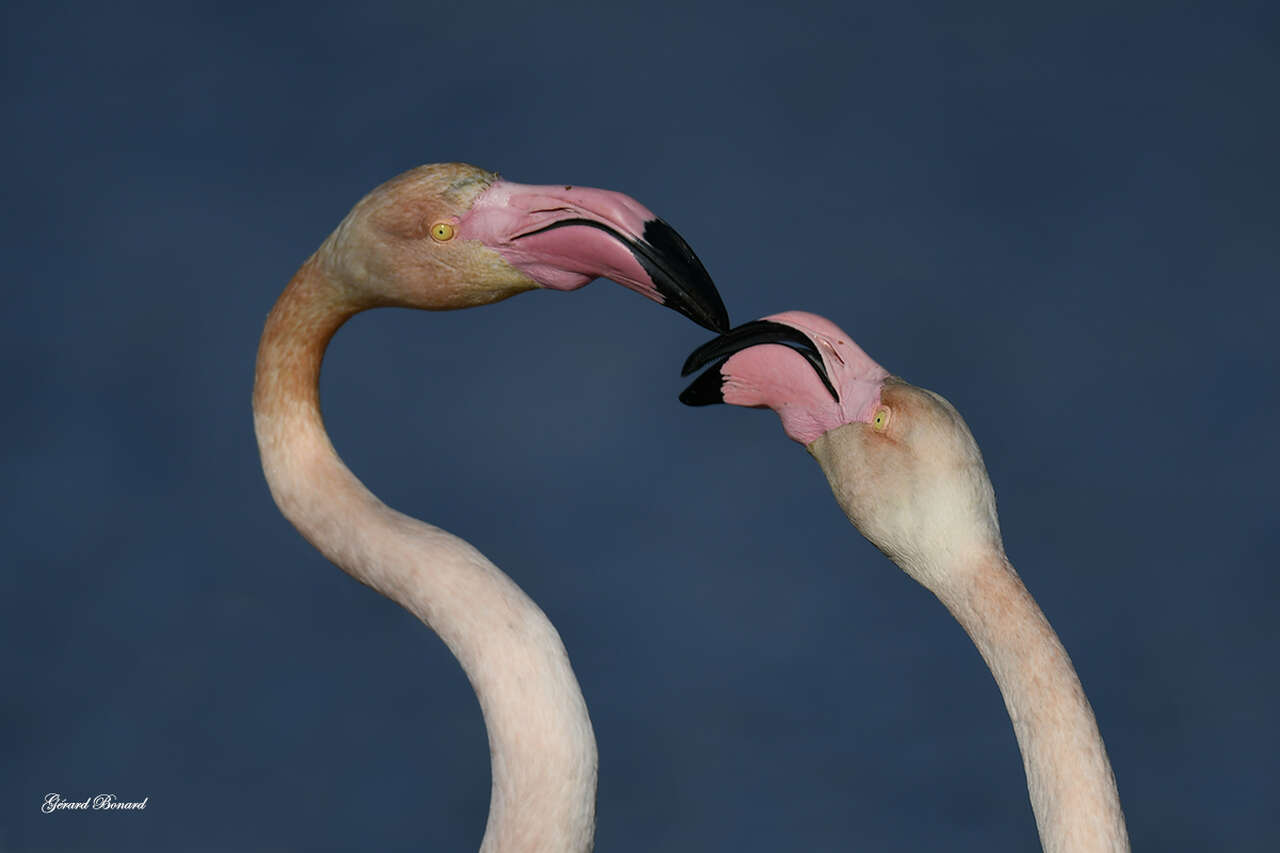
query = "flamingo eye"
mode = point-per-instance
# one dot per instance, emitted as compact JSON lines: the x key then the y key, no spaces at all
{"x":441,"y":231}
{"x":881,"y":419}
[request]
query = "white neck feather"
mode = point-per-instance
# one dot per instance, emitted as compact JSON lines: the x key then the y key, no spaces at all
{"x":540,"y":739}
{"x":932,"y":511}
{"x":1073,"y":792}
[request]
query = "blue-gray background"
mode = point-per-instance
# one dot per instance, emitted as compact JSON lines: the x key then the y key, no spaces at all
{"x":1064,"y":219}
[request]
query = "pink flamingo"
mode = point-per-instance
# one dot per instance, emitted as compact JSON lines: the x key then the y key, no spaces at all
{"x":442,"y":237}
{"x":906,"y":471}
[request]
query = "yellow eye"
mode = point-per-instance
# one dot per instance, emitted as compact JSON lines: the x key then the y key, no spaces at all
{"x":442,"y":231}
{"x":881,"y":419}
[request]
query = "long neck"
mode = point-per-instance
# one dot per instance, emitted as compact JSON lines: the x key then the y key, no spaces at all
{"x":1073,"y":791}
{"x":540,"y":740}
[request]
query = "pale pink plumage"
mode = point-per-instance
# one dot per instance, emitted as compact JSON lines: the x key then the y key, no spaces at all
{"x":906,"y":470}
{"x":417,"y":241}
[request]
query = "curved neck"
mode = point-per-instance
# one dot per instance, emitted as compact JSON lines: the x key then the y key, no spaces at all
{"x":1073,"y":791}
{"x":540,"y":740}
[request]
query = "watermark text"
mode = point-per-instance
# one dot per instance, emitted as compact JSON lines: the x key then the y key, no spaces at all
{"x":98,"y":802}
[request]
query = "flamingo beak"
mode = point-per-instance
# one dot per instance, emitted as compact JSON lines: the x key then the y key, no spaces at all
{"x":707,"y":389}
{"x":563,"y":237}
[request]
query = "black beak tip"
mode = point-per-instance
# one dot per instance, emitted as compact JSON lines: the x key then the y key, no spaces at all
{"x":706,"y":390}
{"x":680,"y":277}
{"x":712,"y":317}
{"x":707,"y":353}
{"x":692,"y":363}
{"x":720,"y":323}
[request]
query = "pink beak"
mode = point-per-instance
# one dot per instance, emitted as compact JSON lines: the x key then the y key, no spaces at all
{"x":563,"y":237}
{"x":706,"y":389}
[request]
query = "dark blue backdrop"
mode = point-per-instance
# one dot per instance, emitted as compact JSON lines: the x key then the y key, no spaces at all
{"x":1063,"y":219}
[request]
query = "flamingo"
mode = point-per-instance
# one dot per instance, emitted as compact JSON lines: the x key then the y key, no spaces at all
{"x":441,"y":237}
{"x":908,"y":474}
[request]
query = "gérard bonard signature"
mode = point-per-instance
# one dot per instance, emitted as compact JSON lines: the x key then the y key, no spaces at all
{"x":99,"y":802}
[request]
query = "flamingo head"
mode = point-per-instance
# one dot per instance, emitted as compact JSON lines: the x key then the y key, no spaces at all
{"x":452,"y":236}
{"x":800,"y":365}
{"x":900,"y":459}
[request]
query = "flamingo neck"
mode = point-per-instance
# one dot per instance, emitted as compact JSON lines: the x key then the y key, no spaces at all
{"x":1073,"y":791}
{"x":541,"y":744}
